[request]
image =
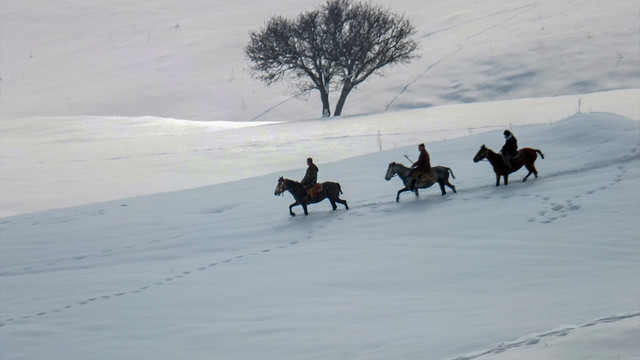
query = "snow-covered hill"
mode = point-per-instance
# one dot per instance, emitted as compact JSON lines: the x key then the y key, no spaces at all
{"x":59,"y":162}
{"x":139,"y":159}
{"x":542,"y":269}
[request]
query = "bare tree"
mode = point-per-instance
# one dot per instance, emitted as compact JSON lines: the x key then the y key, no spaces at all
{"x":335,"y":47}
{"x":293,"y":49}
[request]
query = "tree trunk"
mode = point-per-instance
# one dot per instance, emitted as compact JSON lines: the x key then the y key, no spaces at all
{"x":346,"y":89}
{"x":326,"y":109}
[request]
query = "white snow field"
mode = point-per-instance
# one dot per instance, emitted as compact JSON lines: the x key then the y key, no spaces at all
{"x":139,"y":160}
{"x":542,"y":269}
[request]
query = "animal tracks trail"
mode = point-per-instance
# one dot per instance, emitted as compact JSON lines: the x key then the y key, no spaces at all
{"x":161,"y":282}
{"x":561,"y":210}
{"x":543,"y":338}
{"x":555,"y":209}
{"x":67,"y":264}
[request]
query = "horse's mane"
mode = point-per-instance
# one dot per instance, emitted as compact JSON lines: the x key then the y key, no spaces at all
{"x":401,"y":164}
{"x":294,"y":181}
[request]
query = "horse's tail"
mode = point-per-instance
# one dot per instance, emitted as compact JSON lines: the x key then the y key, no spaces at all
{"x":339,"y":188}
{"x":540,"y":152}
{"x":451,"y":171}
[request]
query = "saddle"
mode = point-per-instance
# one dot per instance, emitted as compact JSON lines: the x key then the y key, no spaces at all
{"x":424,"y":176}
{"x":314,"y":190}
{"x":511,"y":161}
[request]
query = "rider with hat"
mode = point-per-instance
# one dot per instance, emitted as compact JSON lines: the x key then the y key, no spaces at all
{"x":510,"y":148}
{"x":310,"y":178}
{"x":420,"y":167}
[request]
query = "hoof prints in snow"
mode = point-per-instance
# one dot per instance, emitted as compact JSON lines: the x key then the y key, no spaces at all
{"x":553,"y":211}
{"x":73,"y":261}
{"x":535,"y":339}
{"x":142,"y":288}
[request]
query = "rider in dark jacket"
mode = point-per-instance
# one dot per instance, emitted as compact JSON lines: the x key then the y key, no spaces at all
{"x":310,"y":178}
{"x":510,"y":148}
{"x":424,"y":163}
{"x":420,"y":167}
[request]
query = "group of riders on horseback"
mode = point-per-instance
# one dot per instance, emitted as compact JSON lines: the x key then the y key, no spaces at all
{"x":419,"y":175}
{"x":421,"y":169}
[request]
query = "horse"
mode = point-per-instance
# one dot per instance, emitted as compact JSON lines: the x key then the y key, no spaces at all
{"x":441,"y":176}
{"x":526,"y":157}
{"x":330,"y":190}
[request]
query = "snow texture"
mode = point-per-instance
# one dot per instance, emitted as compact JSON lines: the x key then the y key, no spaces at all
{"x":139,"y":160}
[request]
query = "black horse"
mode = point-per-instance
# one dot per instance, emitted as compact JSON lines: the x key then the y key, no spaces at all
{"x":440,"y":175}
{"x":330,"y":190}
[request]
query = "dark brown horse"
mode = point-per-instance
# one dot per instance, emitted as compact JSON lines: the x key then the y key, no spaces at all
{"x":330,"y":190}
{"x":526,"y":157}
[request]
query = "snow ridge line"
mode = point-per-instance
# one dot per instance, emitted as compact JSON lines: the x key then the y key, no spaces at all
{"x":537,"y":338}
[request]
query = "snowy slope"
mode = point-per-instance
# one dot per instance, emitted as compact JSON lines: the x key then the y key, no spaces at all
{"x":528,"y":270}
{"x":59,"y":162}
{"x":120,"y":106}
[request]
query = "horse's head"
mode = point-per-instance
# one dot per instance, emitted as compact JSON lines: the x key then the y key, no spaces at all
{"x":391,"y":171}
{"x":481,"y":154}
{"x":281,"y":187}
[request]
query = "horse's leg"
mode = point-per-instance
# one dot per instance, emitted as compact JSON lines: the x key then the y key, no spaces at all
{"x":451,"y":186}
{"x":333,"y":204}
{"x":343,"y":202}
{"x":532,"y":170}
{"x":506,"y":179}
{"x":291,"y":206}
{"x":441,"y":183}
{"x":304,"y":206}
{"x":400,"y":192}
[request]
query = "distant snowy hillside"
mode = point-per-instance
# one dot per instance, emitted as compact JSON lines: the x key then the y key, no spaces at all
{"x":186,"y":61}
{"x":66,"y":161}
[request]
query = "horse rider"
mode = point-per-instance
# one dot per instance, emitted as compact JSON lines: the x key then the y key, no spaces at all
{"x":510,"y":149}
{"x":420,"y":167}
{"x":310,"y":178}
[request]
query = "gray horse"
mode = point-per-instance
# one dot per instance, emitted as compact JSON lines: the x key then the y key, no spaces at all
{"x":440,"y":175}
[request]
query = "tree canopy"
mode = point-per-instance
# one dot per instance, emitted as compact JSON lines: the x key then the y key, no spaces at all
{"x":335,"y":47}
